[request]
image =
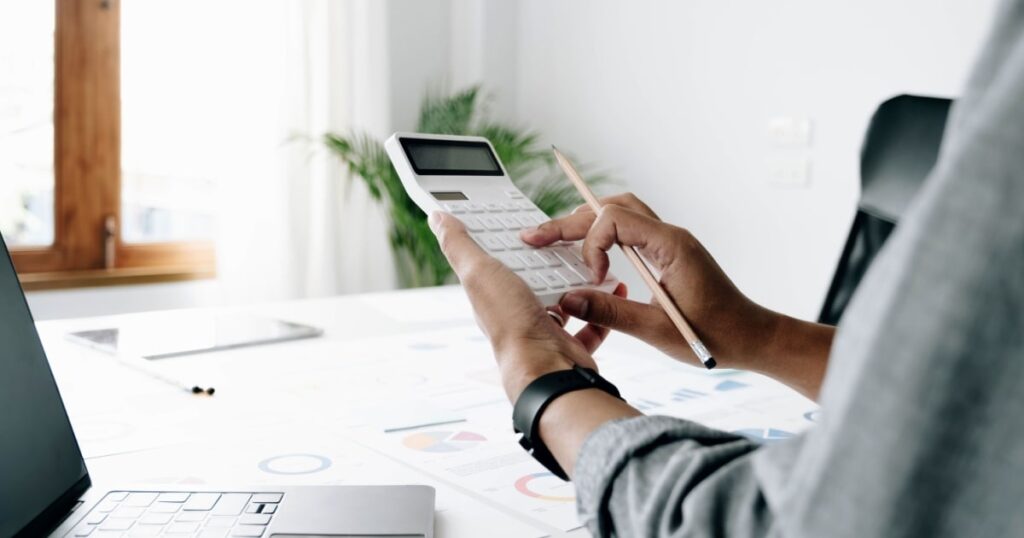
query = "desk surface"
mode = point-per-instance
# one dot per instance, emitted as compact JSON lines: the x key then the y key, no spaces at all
{"x":355,"y":407}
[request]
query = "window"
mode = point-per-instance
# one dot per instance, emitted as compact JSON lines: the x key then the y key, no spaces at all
{"x":76,"y":212}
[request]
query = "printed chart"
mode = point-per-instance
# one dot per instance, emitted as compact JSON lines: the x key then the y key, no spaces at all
{"x":443,"y":441}
{"x":546,"y":487}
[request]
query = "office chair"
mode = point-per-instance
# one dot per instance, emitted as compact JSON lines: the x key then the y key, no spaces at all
{"x":900,"y":149}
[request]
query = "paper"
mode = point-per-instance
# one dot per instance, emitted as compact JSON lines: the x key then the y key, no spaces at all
{"x":427,"y":404}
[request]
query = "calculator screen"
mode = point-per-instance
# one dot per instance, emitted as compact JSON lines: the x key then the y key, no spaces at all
{"x":448,"y":195}
{"x":451,"y":157}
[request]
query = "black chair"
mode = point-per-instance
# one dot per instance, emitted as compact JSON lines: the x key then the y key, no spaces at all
{"x":900,"y":149}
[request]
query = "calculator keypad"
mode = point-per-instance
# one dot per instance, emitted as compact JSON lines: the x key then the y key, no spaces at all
{"x":496,"y":226}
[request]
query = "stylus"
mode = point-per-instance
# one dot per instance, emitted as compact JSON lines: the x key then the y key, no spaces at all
{"x":659,"y":292}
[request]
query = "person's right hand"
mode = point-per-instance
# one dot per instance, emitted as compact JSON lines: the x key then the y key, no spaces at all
{"x":737,"y":331}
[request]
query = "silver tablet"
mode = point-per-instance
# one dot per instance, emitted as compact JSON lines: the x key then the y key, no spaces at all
{"x":163,"y":335}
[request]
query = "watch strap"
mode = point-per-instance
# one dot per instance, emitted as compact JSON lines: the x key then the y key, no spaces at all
{"x":534,"y":400}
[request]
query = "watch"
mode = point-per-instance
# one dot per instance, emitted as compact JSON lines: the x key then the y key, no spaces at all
{"x":535,"y":398}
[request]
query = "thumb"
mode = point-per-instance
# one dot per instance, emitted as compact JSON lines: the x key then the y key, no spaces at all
{"x":645,"y":321}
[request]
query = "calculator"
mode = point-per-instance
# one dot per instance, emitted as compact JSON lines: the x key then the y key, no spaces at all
{"x":462,"y":175}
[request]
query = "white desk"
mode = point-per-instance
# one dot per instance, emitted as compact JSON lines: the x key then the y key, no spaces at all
{"x":315,"y":411}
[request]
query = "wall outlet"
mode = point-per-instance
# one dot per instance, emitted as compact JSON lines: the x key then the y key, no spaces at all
{"x":790,"y":172}
{"x":790,"y":132}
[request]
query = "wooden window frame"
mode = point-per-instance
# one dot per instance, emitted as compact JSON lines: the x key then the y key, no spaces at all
{"x":87,"y":169}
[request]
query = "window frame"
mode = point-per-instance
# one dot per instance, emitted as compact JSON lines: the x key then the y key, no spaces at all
{"x":87,"y":169}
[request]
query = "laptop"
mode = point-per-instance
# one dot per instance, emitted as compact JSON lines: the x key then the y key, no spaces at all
{"x":46,"y":490}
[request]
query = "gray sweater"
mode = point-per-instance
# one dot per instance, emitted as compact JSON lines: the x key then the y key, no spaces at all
{"x":923,"y":405}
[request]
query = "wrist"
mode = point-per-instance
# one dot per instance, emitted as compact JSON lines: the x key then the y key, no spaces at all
{"x":519,"y":366}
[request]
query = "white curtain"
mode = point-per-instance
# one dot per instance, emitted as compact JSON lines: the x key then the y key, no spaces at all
{"x":299,"y":225}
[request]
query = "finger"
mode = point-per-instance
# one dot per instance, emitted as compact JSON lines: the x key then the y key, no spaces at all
{"x":620,"y":225}
{"x":456,"y":244}
{"x":630,"y":200}
{"x":571,"y":228}
{"x":591,"y":335}
{"x":557,"y":316}
{"x":626,"y":199}
{"x":644,"y":321}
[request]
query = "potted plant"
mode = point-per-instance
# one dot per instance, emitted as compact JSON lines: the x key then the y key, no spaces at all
{"x":531,"y":167}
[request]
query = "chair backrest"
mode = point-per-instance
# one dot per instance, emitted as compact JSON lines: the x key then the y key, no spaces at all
{"x":900,"y":149}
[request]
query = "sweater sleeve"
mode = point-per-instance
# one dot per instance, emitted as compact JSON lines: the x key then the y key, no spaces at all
{"x":661,"y":476}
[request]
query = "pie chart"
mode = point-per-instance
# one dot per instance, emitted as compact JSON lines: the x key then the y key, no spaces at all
{"x":443,"y":441}
{"x":546,"y":487}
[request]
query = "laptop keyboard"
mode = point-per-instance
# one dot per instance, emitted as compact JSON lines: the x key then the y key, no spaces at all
{"x":203,"y":514}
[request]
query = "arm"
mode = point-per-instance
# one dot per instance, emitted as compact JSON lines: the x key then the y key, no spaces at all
{"x":614,"y":454}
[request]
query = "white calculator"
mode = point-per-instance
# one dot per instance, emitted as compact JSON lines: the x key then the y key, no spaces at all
{"x":463,"y":176}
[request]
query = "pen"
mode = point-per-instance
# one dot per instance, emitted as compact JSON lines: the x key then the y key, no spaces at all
{"x":659,"y":292}
{"x":146,"y":370}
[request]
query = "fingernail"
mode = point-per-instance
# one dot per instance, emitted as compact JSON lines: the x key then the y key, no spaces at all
{"x":575,"y":305}
{"x":434,"y":220}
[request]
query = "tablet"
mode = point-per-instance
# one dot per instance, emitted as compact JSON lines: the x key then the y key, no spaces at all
{"x":173,"y":334}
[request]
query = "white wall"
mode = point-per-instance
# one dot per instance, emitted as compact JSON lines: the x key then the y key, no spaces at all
{"x":675,"y":99}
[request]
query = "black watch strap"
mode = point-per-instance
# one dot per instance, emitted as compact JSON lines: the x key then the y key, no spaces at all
{"x":535,"y":398}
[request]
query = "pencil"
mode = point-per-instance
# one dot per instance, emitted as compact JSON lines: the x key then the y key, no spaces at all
{"x":659,"y":292}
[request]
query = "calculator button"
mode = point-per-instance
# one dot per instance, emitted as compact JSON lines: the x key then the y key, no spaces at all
{"x":539,"y":218}
{"x":512,"y":261}
{"x":531,"y":261}
{"x":514,"y":194}
{"x":574,"y":263}
{"x":511,"y":241}
{"x":570,"y":276}
{"x":474,"y":208}
{"x":472,"y":224}
{"x":492,"y":206}
{"x":492,"y":243}
{"x":491,"y":223}
{"x":535,"y":282}
{"x":552,"y":279}
{"x":526,"y":220}
{"x":548,"y":258}
{"x":524,"y":206}
{"x":510,"y":206}
{"x":455,"y":208}
{"x":510,"y":222}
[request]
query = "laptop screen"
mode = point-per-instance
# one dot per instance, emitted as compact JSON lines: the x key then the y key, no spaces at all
{"x":39,"y":457}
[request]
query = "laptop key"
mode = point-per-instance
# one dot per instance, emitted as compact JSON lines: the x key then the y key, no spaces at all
{"x":116,"y":496}
{"x":254,"y":519}
{"x":222,"y":522}
{"x":145,"y":530}
{"x":269,"y":509}
{"x":84,"y":530}
{"x":128,"y":512}
{"x":112,"y":524}
{"x":173,"y":497}
{"x":182,"y":528}
{"x":95,"y":518}
{"x":164,"y":508}
{"x":201,"y":501}
{"x":231,"y":504}
{"x":156,"y":519}
{"x":140,"y":498}
{"x":191,"y":516}
{"x":214,"y":533}
{"x":267,"y":497}
{"x":248,"y":530}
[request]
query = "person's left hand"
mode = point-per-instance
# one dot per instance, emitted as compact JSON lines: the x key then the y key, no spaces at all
{"x":527,"y":342}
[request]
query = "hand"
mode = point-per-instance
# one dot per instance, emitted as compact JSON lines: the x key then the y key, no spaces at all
{"x":527,"y":342}
{"x":737,"y":331}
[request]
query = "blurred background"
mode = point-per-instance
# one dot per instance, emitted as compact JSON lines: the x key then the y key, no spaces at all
{"x":173,"y":155}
